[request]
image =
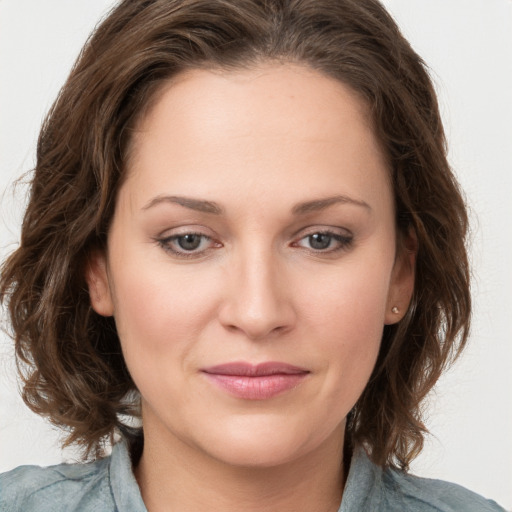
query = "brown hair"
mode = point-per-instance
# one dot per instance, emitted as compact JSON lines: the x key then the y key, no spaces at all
{"x":70,"y":357}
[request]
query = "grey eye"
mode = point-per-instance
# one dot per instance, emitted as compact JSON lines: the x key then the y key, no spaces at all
{"x":320,"y":241}
{"x":189,"y":242}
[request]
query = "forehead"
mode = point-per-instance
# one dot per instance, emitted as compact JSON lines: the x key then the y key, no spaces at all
{"x":212,"y":131}
{"x":296,"y":90}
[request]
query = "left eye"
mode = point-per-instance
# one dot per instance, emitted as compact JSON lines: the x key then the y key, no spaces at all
{"x":325,"y":241}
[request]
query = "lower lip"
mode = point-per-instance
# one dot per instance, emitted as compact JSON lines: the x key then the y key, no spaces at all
{"x":260,"y":387}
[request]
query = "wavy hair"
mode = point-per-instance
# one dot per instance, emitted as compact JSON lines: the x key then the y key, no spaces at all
{"x":70,"y":358}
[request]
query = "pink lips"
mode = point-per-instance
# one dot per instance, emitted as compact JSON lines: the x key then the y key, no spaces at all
{"x":255,"y":382}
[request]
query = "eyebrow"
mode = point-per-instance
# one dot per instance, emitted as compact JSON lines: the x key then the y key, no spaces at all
{"x":187,"y":202}
{"x":321,"y":204}
{"x":215,"y":209}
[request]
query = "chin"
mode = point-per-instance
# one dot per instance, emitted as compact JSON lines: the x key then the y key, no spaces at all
{"x":262,"y":445}
{"x":256,"y":455}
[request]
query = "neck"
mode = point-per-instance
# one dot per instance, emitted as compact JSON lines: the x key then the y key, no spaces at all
{"x":175,"y":476}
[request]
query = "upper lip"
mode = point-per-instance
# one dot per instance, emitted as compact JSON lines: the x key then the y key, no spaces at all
{"x":243,"y":369}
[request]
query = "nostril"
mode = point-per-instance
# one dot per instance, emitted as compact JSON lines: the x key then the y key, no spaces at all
{"x":257,"y":332}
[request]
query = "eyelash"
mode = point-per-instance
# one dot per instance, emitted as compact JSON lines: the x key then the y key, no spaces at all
{"x":344,"y":243}
{"x":166,"y":244}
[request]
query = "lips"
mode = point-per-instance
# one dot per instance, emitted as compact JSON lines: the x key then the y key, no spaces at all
{"x":255,"y":382}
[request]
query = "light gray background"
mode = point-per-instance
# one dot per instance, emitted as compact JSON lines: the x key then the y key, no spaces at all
{"x":468,"y":45}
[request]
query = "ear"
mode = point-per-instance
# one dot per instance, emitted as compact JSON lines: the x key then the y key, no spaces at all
{"x":96,"y":276}
{"x":401,"y":285}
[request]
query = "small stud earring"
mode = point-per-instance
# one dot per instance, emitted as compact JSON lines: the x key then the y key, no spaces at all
{"x":395,"y":310}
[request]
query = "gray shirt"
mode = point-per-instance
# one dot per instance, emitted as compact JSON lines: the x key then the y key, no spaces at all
{"x":108,"y":485}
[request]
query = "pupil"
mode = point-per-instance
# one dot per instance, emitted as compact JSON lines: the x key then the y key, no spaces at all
{"x":189,"y":242}
{"x":320,"y":241}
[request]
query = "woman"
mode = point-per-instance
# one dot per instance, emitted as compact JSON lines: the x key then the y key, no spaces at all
{"x":242,"y":226}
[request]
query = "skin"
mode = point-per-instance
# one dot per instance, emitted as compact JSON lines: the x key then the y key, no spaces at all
{"x":257,"y":143}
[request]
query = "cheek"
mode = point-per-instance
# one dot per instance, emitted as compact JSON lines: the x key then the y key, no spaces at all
{"x":347,"y":320}
{"x":352,"y":300}
{"x":159,"y":312}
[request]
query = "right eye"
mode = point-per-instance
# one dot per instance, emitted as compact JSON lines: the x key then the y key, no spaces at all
{"x":186,"y":245}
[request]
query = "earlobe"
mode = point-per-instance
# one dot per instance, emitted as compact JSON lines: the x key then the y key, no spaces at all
{"x":402,"y":282}
{"x":96,"y":276}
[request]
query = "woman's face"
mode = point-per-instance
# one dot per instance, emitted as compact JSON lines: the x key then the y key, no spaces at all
{"x":251,"y":262}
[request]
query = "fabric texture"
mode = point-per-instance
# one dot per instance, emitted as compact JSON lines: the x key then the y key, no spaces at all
{"x":108,"y":485}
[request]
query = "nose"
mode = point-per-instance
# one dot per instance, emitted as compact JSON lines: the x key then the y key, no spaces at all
{"x":259,"y":302}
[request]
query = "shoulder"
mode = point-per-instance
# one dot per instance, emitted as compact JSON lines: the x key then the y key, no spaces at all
{"x":425,"y":494}
{"x":55,"y":488}
{"x":370,"y":487}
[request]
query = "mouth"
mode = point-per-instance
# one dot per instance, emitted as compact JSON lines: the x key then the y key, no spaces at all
{"x":255,"y":382}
